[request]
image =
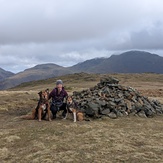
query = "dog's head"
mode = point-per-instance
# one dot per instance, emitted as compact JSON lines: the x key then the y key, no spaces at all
{"x":44,"y":94}
{"x":69,"y":100}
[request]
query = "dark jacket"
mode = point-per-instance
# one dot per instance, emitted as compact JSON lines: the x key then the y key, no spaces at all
{"x":57,"y":97}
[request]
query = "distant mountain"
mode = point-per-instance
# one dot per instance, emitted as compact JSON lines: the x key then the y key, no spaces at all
{"x":87,"y":65}
{"x":5,"y":74}
{"x":128,"y":62}
{"x":38,"y":72}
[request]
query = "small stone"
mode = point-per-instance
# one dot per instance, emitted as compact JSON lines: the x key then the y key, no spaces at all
{"x":105,"y":111}
{"x":112,"y":115}
{"x":120,"y":95}
{"x":109,"y":80}
{"x":142,"y":114}
{"x":128,"y":104}
{"x":89,"y":112}
{"x":102,"y":103}
{"x":117,"y":100}
{"x":119,"y":114}
{"x":111,"y":103}
{"x":148,"y":113}
{"x":93,"y":106}
{"x":140,"y":101}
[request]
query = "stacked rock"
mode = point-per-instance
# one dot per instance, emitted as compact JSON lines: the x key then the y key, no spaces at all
{"x":108,"y":98}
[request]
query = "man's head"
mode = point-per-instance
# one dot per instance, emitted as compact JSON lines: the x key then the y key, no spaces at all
{"x":59,"y":84}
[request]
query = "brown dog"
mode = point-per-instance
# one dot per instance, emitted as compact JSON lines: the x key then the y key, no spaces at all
{"x":43,"y":107}
{"x":72,"y":108}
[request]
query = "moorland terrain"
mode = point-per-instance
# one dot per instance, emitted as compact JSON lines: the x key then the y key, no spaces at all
{"x":126,"y":139}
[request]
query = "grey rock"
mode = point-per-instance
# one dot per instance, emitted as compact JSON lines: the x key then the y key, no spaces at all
{"x":142,"y":114}
{"x":93,"y":105}
{"x":148,"y":112}
{"x":109,"y":80}
{"x":140,"y":101}
{"x":111,"y":103}
{"x":133,"y":113}
{"x":159,"y":110}
{"x":114,"y":100}
{"x":105,"y":112}
{"x":102,"y":103}
{"x":89,"y":112}
{"x":112,"y":115}
{"x":119,"y":114}
{"x":120,"y":94}
{"x":128,"y":104}
{"x":117,"y":100}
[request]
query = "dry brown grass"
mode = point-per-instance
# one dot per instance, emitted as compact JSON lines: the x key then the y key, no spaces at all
{"x":127,"y":139}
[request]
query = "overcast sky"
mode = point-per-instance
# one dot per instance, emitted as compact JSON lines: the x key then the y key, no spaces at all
{"x":66,"y":32}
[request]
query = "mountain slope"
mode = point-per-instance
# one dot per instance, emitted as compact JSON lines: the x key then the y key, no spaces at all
{"x":132,"y":62}
{"x":128,"y":62}
{"x":87,"y":65}
{"x":38,"y":72}
{"x":5,"y":74}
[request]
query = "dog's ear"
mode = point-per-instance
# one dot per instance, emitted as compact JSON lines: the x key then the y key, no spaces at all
{"x":68,"y":97}
{"x":47,"y":90}
{"x":40,"y":93}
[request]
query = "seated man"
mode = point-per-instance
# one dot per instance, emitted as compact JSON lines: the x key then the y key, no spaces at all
{"x":58,"y":95}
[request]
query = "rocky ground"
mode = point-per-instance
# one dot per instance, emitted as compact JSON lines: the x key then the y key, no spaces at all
{"x":109,"y":98}
{"x":125,"y":139}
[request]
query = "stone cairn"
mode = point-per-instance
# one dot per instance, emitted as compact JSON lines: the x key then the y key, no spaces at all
{"x":108,"y":98}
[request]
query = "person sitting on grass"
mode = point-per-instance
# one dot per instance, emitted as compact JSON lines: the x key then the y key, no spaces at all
{"x":58,"y":94}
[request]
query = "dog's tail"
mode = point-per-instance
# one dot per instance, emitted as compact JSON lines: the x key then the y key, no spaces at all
{"x":27,"y":117}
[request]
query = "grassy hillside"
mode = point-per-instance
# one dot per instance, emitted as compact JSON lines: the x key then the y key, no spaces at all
{"x":79,"y":81}
{"x":38,"y":72}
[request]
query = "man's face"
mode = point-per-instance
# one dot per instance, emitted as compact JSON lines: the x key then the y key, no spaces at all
{"x":59,"y":86}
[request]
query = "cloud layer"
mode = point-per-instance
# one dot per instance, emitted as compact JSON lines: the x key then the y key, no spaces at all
{"x":67,"y":32}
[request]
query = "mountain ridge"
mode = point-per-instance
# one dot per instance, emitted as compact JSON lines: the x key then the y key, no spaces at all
{"x":37,"y":72}
{"x":5,"y":74}
{"x":127,"y":62}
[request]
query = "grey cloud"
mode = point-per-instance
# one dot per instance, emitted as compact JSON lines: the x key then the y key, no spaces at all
{"x":67,"y":32}
{"x":149,"y":38}
{"x":53,"y":21}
